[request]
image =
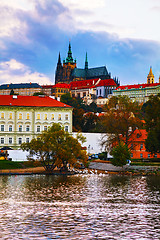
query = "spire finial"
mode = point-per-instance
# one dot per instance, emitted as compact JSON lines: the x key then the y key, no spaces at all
{"x":86,"y":62}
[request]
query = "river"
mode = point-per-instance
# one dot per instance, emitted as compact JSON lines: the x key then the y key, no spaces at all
{"x":79,"y":207}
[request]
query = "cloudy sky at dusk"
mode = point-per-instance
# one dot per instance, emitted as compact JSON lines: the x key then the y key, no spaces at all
{"x":123,"y":35}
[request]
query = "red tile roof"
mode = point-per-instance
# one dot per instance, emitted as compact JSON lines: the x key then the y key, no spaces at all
{"x":30,"y":101}
{"x":92,"y":83}
{"x":106,"y":82}
{"x":144,"y":85}
{"x":61,"y":85}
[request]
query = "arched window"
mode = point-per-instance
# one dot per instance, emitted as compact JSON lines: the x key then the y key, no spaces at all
{"x":20,"y":128}
{"x":45,"y":128}
{"x":38,"y":128}
{"x":59,"y":117}
{"x":27,"y":128}
{"x":10,"y":128}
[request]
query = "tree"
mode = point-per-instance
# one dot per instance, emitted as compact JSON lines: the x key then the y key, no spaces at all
{"x":38,"y":93}
{"x":120,"y":154}
{"x":90,"y":121}
{"x":120,"y":119}
{"x":55,"y":148}
{"x":151,"y":113}
{"x":12,"y":92}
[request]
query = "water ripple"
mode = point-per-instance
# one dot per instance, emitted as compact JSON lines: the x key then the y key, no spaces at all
{"x":79,"y":207}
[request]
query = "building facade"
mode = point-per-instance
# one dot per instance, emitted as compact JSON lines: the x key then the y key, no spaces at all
{"x":24,"y":89}
{"x":137,"y":145}
{"x":24,"y":117}
{"x":139,"y":92}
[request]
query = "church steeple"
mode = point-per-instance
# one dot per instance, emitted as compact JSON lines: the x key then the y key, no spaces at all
{"x":69,"y":57}
{"x":150,"y":77}
{"x":59,"y":60}
{"x":86,"y":62}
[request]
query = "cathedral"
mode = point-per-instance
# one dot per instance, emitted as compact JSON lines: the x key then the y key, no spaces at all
{"x":69,"y":72}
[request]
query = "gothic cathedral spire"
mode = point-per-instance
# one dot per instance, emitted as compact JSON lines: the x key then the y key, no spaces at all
{"x":86,"y":62}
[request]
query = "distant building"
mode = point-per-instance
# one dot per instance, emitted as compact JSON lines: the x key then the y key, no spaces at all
{"x":24,"y":89}
{"x":24,"y":117}
{"x":69,"y":72}
{"x":137,"y":145}
{"x":139,"y":92}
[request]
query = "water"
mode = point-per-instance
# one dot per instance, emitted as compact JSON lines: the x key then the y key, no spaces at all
{"x":79,"y":207}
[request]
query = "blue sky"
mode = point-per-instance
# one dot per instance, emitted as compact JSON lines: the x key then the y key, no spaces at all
{"x":123,"y":35}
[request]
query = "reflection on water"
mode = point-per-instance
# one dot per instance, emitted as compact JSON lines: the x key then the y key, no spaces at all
{"x":79,"y":207}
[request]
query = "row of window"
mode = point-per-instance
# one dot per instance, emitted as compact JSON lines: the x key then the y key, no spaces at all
{"x":10,"y":140}
{"x":141,"y":155}
{"x":20,"y":116}
{"x":20,"y":128}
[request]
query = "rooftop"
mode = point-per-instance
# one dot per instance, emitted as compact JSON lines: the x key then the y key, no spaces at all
{"x":30,"y":101}
{"x":19,"y":85}
{"x":136,"y":86}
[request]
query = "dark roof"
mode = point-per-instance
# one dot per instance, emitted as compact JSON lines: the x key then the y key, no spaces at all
{"x":30,"y":101}
{"x":19,"y":85}
{"x":90,"y":72}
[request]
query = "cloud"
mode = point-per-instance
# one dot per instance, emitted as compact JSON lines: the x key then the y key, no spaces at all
{"x":16,"y":72}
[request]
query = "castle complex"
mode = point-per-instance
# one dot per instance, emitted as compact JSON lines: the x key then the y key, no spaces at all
{"x":69,"y":72}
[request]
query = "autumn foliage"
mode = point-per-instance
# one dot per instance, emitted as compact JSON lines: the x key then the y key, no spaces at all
{"x":55,"y":148}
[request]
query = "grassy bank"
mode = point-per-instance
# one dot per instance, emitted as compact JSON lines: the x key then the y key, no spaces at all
{"x":5,"y":164}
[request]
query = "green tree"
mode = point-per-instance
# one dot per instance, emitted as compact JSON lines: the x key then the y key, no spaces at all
{"x":151,"y":113}
{"x":55,"y":148}
{"x":120,"y":119}
{"x":38,"y":93}
{"x":90,"y":122}
{"x":12,"y":92}
{"x":120,"y":154}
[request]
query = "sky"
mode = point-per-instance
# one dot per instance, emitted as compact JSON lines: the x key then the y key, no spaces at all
{"x":122,"y":35}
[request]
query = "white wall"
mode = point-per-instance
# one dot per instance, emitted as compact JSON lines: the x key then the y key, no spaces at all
{"x":92,"y":142}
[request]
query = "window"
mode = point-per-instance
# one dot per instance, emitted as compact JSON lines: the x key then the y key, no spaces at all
{"x":28,"y":116}
{"x":10,"y":128}
{"x":2,"y":128}
{"x":59,"y":117}
{"x":148,"y":155}
{"x":155,"y":155}
{"x":45,"y":128}
{"x":20,"y":128}
{"x":27,"y":140}
{"x":141,"y":145}
{"x":131,"y":145}
{"x":19,"y":140}
{"x":2,"y":140}
{"x":27,"y":128}
{"x":141,"y":155}
{"x":38,"y":116}
{"x":52,"y":116}
{"x":2,"y":115}
{"x":38,"y":128}
{"x":10,"y":141}
{"x":131,"y":155}
{"x":45,"y":116}
{"x":20,"y":115}
{"x":66,"y":117}
{"x":10,"y":115}
{"x":66,"y":128}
